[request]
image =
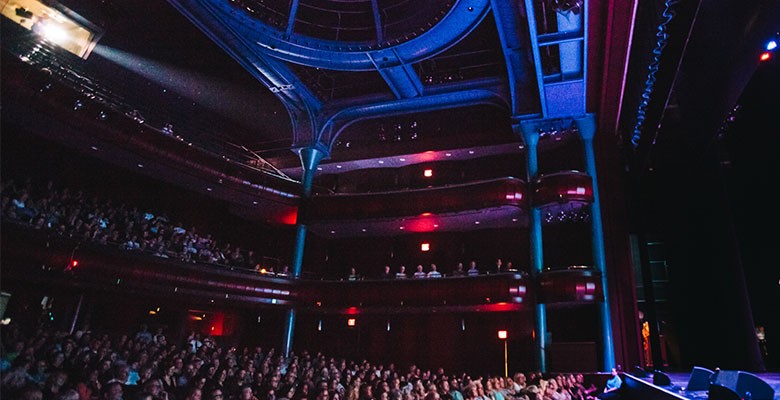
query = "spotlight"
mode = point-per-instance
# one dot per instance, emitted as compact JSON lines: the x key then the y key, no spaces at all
{"x":771,"y":45}
{"x":78,"y":105}
{"x":102,"y":116}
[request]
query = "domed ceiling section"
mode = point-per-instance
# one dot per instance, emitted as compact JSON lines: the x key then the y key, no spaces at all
{"x":369,"y":23}
{"x":354,"y":35}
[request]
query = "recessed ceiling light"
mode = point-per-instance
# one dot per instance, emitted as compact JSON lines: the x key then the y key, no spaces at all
{"x":209,"y":189}
{"x":94,"y":148}
{"x":476,"y":222}
{"x":448,"y":154}
{"x":338,"y":166}
{"x":381,"y":161}
{"x":254,"y":202}
{"x":319,"y":168}
{"x":363,"y":230}
{"x":471,"y":151}
{"x":140,"y":165}
{"x":402,"y":228}
{"x":402,"y":159}
{"x":514,"y":219}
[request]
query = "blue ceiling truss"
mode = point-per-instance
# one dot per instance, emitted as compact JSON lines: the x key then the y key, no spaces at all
{"x":264,"y":51}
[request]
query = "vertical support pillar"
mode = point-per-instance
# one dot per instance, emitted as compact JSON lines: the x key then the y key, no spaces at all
{"x":310,"y":158}
{"x":531,"y":137}
{"x":587,"y":128}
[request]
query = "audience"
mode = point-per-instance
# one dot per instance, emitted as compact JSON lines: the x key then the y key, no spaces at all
{"x":75,"y":214}
{"x":52,"y":365}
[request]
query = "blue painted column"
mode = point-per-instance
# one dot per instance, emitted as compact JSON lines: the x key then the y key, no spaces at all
{"x":587,"y":128}
{"x":310,"y":158}
{"x":530,"y":134}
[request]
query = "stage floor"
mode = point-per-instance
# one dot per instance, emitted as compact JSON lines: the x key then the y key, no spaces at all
{"x":680,"y":380}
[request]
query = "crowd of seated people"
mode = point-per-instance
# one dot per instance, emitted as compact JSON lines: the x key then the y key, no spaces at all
{"x":76,"y":214}
{"x":434,"y":272}
{"x":145,"y":365}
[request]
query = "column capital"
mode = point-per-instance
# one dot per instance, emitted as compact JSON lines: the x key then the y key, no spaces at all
{"x":586,"y":125}
{"x":312,"y":155}
{"x":528,"y":129}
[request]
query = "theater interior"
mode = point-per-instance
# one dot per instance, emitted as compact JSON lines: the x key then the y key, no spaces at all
{"x":620,"y":154}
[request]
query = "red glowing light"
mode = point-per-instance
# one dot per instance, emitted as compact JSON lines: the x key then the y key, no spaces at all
{"x":287,"y":216}
{"x":353,"y":311}
{"x":425,"y":214}
{"x":765,"y":56}
{"x":502,"y":334}
{"x":74,"y":263}
{"x":425,"y":247}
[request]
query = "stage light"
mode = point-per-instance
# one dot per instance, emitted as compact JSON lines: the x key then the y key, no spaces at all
{"x":765,"y":56}
{"x":54,"y":23}
{"x":771,"y":45}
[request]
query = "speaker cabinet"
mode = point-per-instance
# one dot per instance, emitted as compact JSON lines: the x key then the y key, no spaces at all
{"x":720,"y":392}
{"x":661,"y":379}
{"x":699,"y":379}
{"x":744,"y":384}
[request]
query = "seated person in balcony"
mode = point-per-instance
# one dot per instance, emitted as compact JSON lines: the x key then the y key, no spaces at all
{"x":459,"y":271}
{"x":419,"y":273}
{"x":434,"y":273}
{"x":500,"y":266}
{"x":386,"y":274}
{"x":401,"y":274}
{"x":353,"y":275}
{"x":472,"y":271}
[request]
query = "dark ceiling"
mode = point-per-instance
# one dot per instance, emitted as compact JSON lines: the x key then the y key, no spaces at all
{"x":375,"y":80}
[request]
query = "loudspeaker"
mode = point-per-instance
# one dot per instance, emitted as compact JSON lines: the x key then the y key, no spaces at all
{"x":699,"y":379}
{"x":661,"y":379}
{"x":640,"y":372}
{"x":720,"y":392}
{"x":745,"y":385}
{"x":750,"y":386}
